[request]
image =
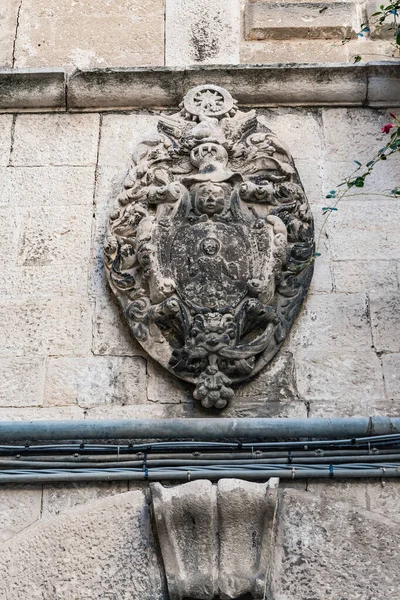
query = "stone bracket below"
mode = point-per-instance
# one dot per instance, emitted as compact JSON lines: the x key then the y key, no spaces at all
{"x":216,"y":539}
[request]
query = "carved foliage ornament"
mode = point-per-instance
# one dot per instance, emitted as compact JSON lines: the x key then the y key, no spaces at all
{"x":209,"y":251}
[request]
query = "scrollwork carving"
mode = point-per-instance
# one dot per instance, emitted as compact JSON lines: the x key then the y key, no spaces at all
{"x":210,"y":248}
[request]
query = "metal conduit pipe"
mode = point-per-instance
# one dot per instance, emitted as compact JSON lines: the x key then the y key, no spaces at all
{"x":198,"y":429}
{"x":261,"y":474}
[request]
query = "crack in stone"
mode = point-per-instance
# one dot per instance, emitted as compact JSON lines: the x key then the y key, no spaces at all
{"x":16,"y":33}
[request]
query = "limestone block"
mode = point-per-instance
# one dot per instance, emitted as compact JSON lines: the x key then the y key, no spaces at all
{"x":42,"y":413}
{"x":272,"y":393}
{"x":300,"y":129}
{"x":52,"y":186}
{"x":293,"y":51}
{"x":119,"y":136}
{"x":385,"y":321}
{"x":322,"y":280}
{"x":332,"y":490}
{"x":52,"y":139}
{"x":8,"y":26}
{"x":391,"y":372}
{"x":208,"y":32}
{"x":93,"y":34}
{"x":369,"y":50}
{"x":95,"y":380}
{"x":111,"y":334}
{"x":60,"y":498}
{"x":330,"y":547}
{"x":55,"y":235}
{"x":350,"y":407}
{"x":216,"y":539}
{"x":33,"y":90}
{"x":364,"y":276}
{"x":44,"y":280}
{"x":5,"y":138}
{"x":151,"y":410}
{"x":163,"y":387}
{"x":20,"y":507}
{"x":52,"y":325}
{"x":337,"y":376}
{"x":364,"y":230}
{"x":310,"y":171}
{"x":331,"y":322}
{"x":381,"y":181}
{"x":264,"y":21}
{"x":383,"y":498}
{"x":22,"y":381}
{"x":103,"y":553}
{"x":383,"y":84}
{"x":353,"y":133}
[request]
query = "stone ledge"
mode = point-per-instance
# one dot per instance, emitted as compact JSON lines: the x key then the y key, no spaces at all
{"x":374,"y":84}
{"x":37,"y":90}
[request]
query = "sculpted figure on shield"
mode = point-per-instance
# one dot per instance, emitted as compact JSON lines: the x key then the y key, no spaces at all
{"x":210,"y":249}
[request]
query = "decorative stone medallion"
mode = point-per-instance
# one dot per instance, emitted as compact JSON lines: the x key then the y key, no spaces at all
{"x":210,"y":249}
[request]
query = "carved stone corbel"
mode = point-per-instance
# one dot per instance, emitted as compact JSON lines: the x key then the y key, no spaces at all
{"x":216,"y":539}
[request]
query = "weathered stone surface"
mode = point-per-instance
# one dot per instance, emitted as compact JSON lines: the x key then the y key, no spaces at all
{"x":8,"y":21}
{"x":42,"y":413}
{"x":332,"y":548}
{"x":119,"y":136}
{"x":298,"y":128}
{"x":22,"y":381}
{"x":151,"y":410}
{"x":210,"y":267}
{"x":105,"y":552}
{"x":5,"y":138}
{"x":273,"y":393}
{"x":383,"y":498}
{"x":322,"y":280}
{"x":310,"y":171}
{"x":364,"y":230}
{"x":30,"y":90}
{"x":55,"y":140}
{"x":216,"y":539}
{"x":383,"y":84}
{"x":364,"y":276}
{"x":96,"y":34}
{"x":208,"y":32}
{"x":111,"y":335}
{"x":96,"y":380}
{"x":348,"y":138}
{"x":379,"y":183}
{"x":251,"y":85}
{"x":391,"y":372}
{"x":44,"y":280}
{"x":340,"y":376}
{"x":263,"y":20}
{"x":293,"y":51}
{"x":20,"y":508}
{"x":60,"y":498}
{"x":350,"y":407}
{"x":332,"y":322}
{"x":39,"y":326}
{"x":385,"y":321}
{"x":163,"y":387}
{"x":55,"y":235}
{"x":50,"y":186}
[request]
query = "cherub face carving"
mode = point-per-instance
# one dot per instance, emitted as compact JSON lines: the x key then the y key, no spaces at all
{"x":210,"y":199}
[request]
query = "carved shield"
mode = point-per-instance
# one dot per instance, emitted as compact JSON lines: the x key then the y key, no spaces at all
{"x":210,"y":249}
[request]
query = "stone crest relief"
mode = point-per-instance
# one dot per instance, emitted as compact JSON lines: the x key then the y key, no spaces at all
{"x":210,"y":249}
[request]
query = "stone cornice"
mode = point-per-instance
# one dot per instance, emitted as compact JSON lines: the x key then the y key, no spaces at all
{"x":374,"y":84}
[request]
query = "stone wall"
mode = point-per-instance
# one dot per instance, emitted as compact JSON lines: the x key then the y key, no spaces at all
{"x":64,"y":349}
{"x":128,"y":33}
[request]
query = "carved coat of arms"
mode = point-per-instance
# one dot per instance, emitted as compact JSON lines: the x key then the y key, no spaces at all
{"x":210,"y":249}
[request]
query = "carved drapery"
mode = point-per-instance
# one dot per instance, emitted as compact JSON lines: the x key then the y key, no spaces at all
{"x":210,"y":249}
